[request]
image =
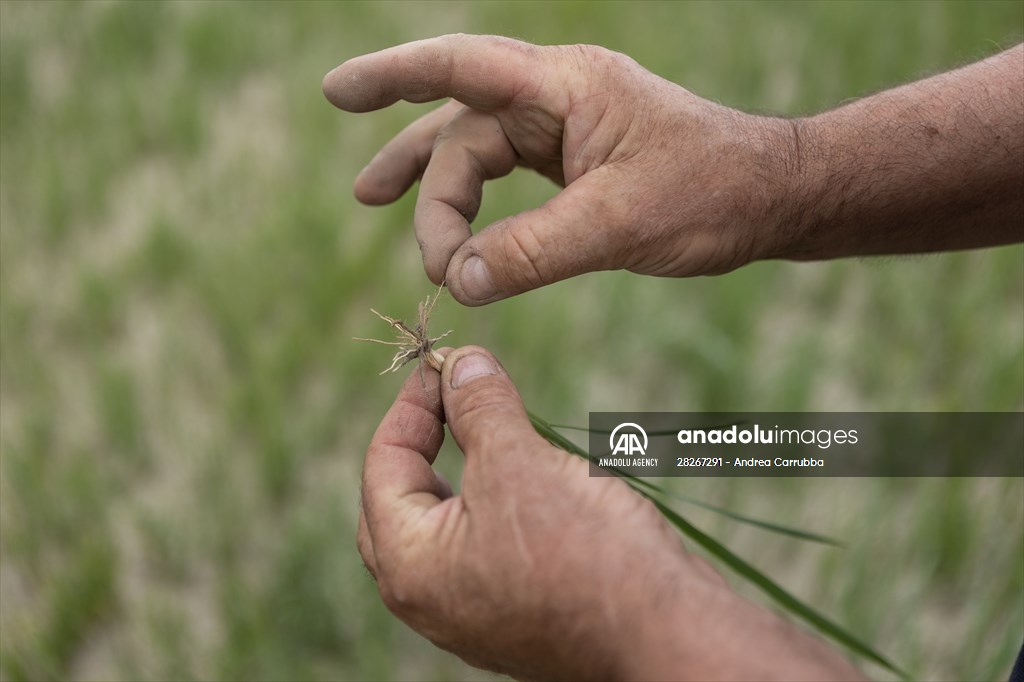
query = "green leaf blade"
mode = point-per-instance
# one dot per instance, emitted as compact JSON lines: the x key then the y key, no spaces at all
{"x":547,"y":430}
{"x":774,"y":590}
{"x":727,"y":557}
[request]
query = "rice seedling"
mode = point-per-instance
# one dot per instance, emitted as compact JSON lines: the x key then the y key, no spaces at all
{"x":413,"y":342}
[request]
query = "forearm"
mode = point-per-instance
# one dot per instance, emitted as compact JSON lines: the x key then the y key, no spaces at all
{"x":930,"y":166}
{"x":705,"y":631}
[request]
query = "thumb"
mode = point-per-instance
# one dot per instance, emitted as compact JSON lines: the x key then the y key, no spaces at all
{"x":575,"y":232}
{"x":481,"y":404}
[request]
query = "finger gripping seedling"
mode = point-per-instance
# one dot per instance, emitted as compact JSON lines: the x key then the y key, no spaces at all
{"x":413,"y":342}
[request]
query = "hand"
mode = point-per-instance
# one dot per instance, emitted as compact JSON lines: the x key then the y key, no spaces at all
{"x":657,"y":180}
{"x":537,"y":570}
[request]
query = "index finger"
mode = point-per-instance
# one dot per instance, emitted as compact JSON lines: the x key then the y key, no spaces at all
{"x":398,"y":481}
{"x":482,"y":72}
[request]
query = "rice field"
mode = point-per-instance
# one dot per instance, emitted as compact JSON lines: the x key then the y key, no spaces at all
{"x":182,"y":266}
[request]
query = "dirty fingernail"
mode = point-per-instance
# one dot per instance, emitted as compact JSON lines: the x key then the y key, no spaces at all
{"x":476,"y":279}
{"x":471,"y":366}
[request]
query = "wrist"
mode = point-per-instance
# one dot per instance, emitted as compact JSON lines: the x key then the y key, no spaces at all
{"x":669,"y":627}
{"x":767,"y":193}
{"x":695,"y":627}
{"x":790,"y":187}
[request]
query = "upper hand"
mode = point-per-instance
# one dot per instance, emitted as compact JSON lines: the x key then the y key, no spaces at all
{"x":657,"y":180}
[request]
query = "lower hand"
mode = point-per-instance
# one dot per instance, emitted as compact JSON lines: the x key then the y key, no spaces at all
{"x":537,"y":570}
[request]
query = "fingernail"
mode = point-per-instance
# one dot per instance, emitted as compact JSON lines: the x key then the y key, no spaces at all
{"x":471,"y":366}
{"x":476,"y":279}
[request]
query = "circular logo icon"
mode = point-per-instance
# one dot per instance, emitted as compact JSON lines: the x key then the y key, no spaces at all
{"x":628,"y":439}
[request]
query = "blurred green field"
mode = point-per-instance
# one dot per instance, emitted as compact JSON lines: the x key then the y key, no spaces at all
{"x":182,"y":266}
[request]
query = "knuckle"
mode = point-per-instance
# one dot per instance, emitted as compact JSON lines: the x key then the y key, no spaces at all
{"x":401,"y":589}
{"x":414,"y":415}
{"x":488,"y":417}
{"x":448,"y":131}
{"x":590,"y":56}
{"x":524,"y":255}
{"x":580,"y":57}
{"x":603,"y":68}
{"x":506,"y":43}
{"x":617,"y":59}
{"x":591,"y":53}
{"x":489,"y":396}
{"x":391,"y":597}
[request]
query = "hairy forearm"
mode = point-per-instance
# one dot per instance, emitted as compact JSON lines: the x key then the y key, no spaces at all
{"x":930,"y":166}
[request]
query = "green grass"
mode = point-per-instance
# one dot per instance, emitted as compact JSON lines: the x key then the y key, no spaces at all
{"x":182,"y":265}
